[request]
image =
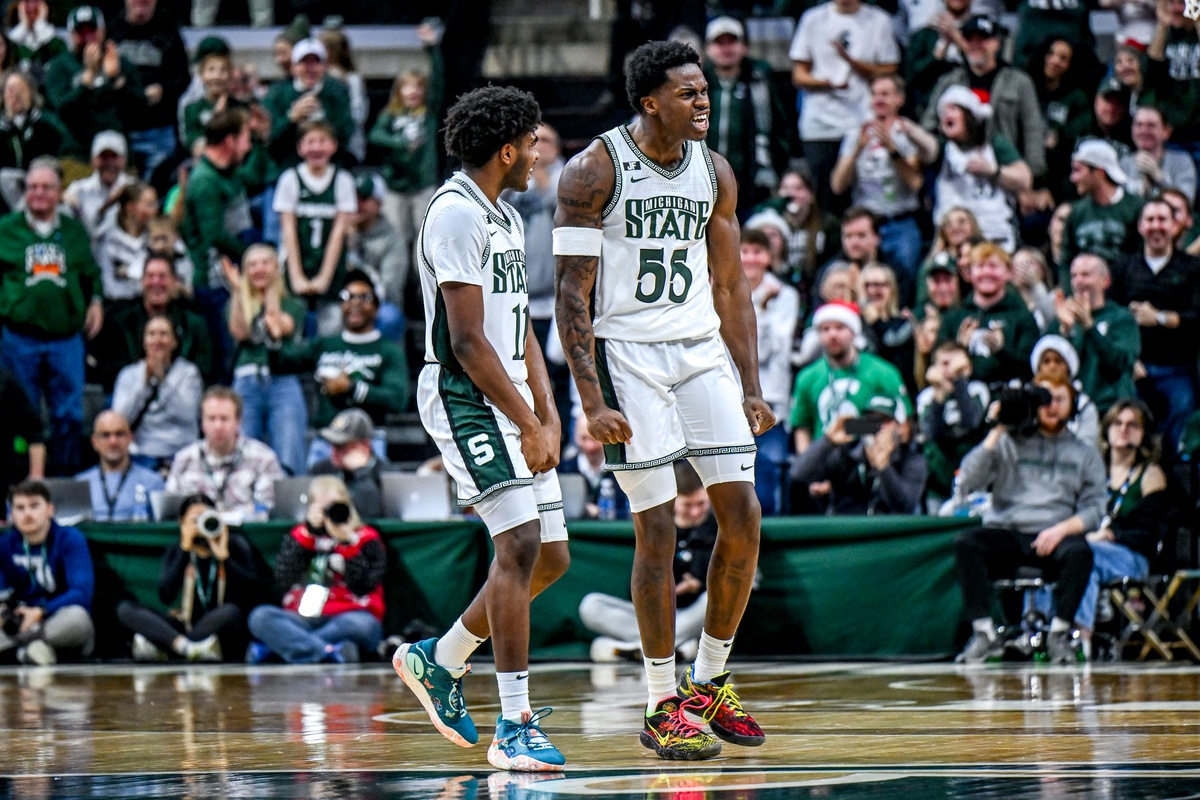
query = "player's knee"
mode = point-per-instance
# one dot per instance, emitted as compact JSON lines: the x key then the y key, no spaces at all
{"x":553,"y":561}
{"x":736,"y":506}
{"x":517,"y":549}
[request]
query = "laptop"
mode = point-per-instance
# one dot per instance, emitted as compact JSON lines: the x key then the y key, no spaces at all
{"x":291,"y":498}
{"x":417,"y":498}
{"x":166,"y":506}
{"x":574,"y":494}
{"x":72,"y":500}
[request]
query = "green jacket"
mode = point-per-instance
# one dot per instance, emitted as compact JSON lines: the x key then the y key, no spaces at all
{"x":46,"y":282}
{"x":1013,"y":319}
{"x":410,"y":141}
{"x":281,"y":143}
{"x":1107,"y":353}
{"x":1107,"y":231}
{"x":85,"y":111}
{"x":377,"y":368}
{"x":120,"y":341}
{"x":216,"y":213}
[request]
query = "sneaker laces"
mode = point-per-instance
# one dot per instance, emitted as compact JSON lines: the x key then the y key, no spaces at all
{"x":724,"y":696}
{"x":677,"y":721}
{"x":455,"y":695}
{"x":529,"y":733}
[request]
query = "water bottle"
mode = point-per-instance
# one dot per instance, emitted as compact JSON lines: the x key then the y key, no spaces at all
{"x":141,"y":504}
{"x":262,"y":509}
{"x":606,"y":502}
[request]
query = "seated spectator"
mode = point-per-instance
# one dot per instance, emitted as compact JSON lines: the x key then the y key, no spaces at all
{"x":50,"y":300}
{"x":120,"y":486}
{"x":813,"y":234}
{"x":1054,"y":357}
{"x":777,"y":312}
{"x":22,"y":448}
{"x":375,"y":247}
{"x":1007,"y":92}
{"x":588,"y":461}
{"x":992,"y":324}
{"x":262,"y":317}
{"x":1103,"y":221}
{"x":888,"y":329}
{"x":934,"y":50}
{"x":160,"y":396}
{"x":350,"y":437}
{"x":1161,"y":287}
{"x":1152,"y":167}
{"x":978,"y":172}
{"x":306,"y":96}
{"x":695,"y":534}
{"x":957,"y":229}
{"x":120,"y":343}
{"x":1131,"y":531}
{"x":33,"y":36}
{"x":341,"y":68}
{"x":149,"y":38}
{"x":881,"y":165}
{"x":91,"y":87}
{"x":27,"y":131}
{"x":315,"y":202}
{"x":90,"y":198}
{"x":357,"y":368}
{"x":47,"y":581}
{"x":212,"y":573}
{"x":121,"y":248}
{"x":239,"y":474}
{"x":330,"y":569}
{"x":1104,"y":334}
{"x":1032,"y":280}
{"x":950,"y":411}
{"x":863,"y":472}
{"x":1047,"y":491}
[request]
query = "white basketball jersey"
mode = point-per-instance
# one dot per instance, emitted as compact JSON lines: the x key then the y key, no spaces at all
{"x":652,"y":285}
{"x":465,"y":239}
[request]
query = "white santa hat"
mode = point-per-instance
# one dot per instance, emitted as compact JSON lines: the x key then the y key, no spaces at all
{"x":839,"y":311}
{"x":1058,"y":344}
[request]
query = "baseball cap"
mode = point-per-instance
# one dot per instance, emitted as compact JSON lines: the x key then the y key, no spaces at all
{"x":982,"y":24}
{"x":85,"y":17}
{"x":1101,"y":155}
{"x":351,"y":425}
{"x":308,"y":47}
{"x":724,"y":26}
{"x":1111,"y":85}
{"x":369,"y":185}
{"x":943,"y":262}
{"x":109,"y":142}
{"x":211,"y":46}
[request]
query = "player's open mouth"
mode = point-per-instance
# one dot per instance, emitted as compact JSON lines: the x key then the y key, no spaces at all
{"x":700,"y":120}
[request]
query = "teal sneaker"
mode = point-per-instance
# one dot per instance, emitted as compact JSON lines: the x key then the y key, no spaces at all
{"x":439,"y":692}
{"x":522,"y":747}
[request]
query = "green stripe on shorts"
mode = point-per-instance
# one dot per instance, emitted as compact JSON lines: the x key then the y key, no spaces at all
{"x":613,"y":453}
{"x":477,"y":435}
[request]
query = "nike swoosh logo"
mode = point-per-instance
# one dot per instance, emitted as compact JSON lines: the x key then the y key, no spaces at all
{"x":660,"y":663}
{"x":524,"y":677}
{"x":727,"y":645}
{"x":747,"y":466}
{"x":643,"y":178}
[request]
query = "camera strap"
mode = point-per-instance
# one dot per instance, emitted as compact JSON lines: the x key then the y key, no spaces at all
{"x":234,"y":463}
{"x":194,"y":586}
{"x":1117,"y":499}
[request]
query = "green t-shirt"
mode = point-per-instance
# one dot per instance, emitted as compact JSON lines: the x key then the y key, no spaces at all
{"x":255,"y":350}
{"x":823,"y":394}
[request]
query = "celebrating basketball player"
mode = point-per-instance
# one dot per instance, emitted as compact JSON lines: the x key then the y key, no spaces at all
{"x":644,"y":214}
{"x":486,"y":401}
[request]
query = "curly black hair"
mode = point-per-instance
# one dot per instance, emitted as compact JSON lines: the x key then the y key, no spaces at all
{"x":648,"y":65}
{"x":484,"y":120}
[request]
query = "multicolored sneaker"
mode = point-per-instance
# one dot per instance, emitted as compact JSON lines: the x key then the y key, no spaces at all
{"x":439,"y":692}
{"x":521,"y":746}
{"x":722,"y":709}
{"x":673,"y":736}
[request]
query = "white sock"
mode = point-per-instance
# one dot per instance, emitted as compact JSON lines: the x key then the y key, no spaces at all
{"x":514,"y":694}
{"x":455,"y":648}
{"x":1058,"y":625}
{"x":660,"y":680}
{"x":985,"y":626}
{"x":711,"y":657}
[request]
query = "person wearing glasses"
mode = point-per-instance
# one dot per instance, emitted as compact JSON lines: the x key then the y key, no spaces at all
{"x":120,"y":486}
{"x":357,"y":368}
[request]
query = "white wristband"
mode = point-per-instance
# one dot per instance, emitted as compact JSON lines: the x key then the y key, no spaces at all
{"x":578,"y":241}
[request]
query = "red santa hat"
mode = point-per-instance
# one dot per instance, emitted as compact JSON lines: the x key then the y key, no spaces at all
{"x":839,"y":311}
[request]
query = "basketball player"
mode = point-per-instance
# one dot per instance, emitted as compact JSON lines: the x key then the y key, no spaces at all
{"x":644,"y":214}
{"x":486,"y":401}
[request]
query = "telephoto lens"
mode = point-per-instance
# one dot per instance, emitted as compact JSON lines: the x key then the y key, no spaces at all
{"x":209,"y":524}
{"x":338,"y":513}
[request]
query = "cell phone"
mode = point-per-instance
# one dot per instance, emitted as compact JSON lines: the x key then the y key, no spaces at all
{"x":859,"y":427}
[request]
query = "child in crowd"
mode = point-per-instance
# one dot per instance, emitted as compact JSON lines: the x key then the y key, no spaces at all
{"x":214,"y":70}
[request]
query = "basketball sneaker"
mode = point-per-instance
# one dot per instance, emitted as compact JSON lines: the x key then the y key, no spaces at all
{"x":722,"y":710}
{"x":438,"y":691}
{"x":981,"y":648}
{"x":673,"y":736}
{"x":521,"y":746}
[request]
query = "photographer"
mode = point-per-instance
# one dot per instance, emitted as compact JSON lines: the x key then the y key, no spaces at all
{"x":867,"y":464}
{"x":1048,"y":489}
{"x":331,"y":571}
{"x":212,"y":573}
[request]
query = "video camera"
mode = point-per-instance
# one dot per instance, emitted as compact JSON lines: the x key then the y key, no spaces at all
{"x":1019,"y":406}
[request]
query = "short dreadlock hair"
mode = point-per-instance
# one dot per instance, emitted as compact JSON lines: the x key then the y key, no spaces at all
{"x":648,"y":66}
{"x":484,"y":120}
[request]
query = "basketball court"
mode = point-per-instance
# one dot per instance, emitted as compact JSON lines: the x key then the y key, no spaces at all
{"x":835,"y":730}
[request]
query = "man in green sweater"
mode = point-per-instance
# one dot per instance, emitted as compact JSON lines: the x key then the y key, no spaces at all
{"x":357,"y":368}
{"x":50,"y":296}
{"x":1104,"y":219}
{"x":308,"y":95}
{"x":993,"y":323}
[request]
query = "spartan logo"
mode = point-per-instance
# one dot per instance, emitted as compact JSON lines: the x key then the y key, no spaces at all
{"x":666,"y":217}
{"x":45,"y":262}
{"x":508,"y":272}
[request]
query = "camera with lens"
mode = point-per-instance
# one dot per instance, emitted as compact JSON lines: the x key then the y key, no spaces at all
{"x":338,"y":513}
{"x":1019,"y":406}
{"x":209,"y":524}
